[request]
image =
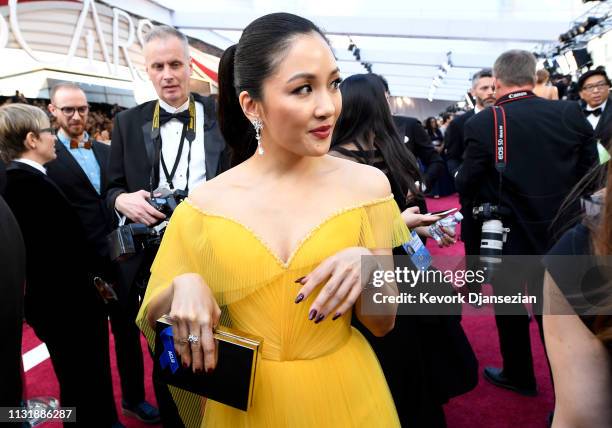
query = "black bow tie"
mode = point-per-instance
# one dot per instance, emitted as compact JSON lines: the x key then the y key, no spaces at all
{"x":165,"y":117}
{"x":595,"y":112}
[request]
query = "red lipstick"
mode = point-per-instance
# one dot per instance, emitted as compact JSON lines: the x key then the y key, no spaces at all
{"x":322,"y":132}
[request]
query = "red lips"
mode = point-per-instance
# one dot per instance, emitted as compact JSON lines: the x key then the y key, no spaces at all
{"x":322,"y":132}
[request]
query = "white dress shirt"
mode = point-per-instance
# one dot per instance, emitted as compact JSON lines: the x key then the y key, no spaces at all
{"x":33,"y":164}
{"x":594,"y":120}
{"x":171,"y":137}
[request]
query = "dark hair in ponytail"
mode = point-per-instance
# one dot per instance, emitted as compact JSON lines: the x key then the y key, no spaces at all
{"x":245,"y":66}
{"x":364,"y":112}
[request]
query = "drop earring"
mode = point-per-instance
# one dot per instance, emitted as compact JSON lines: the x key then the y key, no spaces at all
{"x":258,"y":125}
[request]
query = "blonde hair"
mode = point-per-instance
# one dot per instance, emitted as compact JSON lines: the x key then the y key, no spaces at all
{"x":542,"y":76}
{"x":16,"y":121}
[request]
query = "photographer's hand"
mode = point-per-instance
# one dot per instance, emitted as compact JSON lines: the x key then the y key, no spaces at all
{"x":136,"y":207}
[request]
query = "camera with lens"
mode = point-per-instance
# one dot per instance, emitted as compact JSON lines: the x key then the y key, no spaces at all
{"x":493,"y":232}
{"x":129,"y":239}
{"x":166,"y":201}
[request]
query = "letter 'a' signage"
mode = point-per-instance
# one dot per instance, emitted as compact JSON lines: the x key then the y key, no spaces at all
{"x":79,"y":30}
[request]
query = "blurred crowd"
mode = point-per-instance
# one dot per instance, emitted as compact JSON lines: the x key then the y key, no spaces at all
{"x":99,"y":123}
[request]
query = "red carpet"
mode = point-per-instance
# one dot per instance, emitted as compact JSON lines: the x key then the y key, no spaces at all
{"x":486,"y":406}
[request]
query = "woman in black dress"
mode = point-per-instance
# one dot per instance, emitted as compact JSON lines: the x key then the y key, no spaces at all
{"x":578,"y":315}
{"x":426,"y":359}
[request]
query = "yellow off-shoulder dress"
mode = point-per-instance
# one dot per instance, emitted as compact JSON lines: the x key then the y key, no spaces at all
{"x":323,"y":375}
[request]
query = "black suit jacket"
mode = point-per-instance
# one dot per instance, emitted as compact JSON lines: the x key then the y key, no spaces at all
{"x":58,"y":285}
{"x":12,"y":285}
{"x":132,"y":155}
{"x":419,"y":144}
{"x":133,"y":151}
{"x":454,"y":144}
{"x":89,"y":205}
{"x":549,"y":148}
{"x":603,"y":131}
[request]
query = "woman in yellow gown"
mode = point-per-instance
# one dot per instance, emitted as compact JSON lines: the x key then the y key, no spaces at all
{"x":277,"y":242}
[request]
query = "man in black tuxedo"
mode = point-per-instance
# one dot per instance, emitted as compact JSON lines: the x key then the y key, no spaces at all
{"x":483,"y":91}
{"x":138,"y":166}
{"x":61,"y":302}
{"x":12,"y":286}
{"x":549,"y":147}
{"x":417,"y":141}
{"x":80,"y":172}
{"x":594,"y":90}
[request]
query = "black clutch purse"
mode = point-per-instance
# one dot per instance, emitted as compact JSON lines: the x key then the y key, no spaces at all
{"x":233,"y":379}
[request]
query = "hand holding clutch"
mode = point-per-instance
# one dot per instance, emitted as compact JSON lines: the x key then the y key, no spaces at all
{"x":195,"y":314}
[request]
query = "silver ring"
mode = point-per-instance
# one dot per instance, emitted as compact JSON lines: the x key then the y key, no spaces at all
{"x":193,"y":339}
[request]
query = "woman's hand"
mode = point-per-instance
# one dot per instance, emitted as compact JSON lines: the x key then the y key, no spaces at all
{"x":195,"y":313}
{"x":448,"y":236}
{"x":413,"y":219}
{"x":344,"y":284}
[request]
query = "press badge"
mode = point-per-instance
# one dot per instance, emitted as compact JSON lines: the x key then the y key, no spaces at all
{"x":419,"y":254}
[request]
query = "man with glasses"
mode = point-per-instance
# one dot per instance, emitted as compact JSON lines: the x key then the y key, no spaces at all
{"x":594,"y":89}
{"x":80,"y":172}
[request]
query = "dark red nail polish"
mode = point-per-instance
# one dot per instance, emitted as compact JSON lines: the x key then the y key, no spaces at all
{"x":312,"y":314}
{"x":299,"y":298}
{"x":319,"y":318}
{"x":299,"y":280}
{"x":338,"y":315}
{"x":185,"y":365}
{"x":209,"y":371}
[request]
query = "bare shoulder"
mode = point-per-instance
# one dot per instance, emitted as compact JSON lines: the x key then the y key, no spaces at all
{"x":211,"y":194}
{"x":366,"y":181}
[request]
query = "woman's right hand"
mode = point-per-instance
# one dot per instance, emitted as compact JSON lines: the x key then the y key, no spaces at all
{"x":413,"y":219}
{"x":194,"y":311}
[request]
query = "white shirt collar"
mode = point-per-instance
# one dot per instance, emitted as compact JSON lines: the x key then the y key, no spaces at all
{"x":602,"y":106}
{"x":171,"y":109}
{"x":33,"y":164}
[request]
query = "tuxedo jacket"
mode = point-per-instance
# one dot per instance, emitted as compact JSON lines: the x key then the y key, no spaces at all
{"x":12,"y":285}
{"x":454,"y":144}
{"x":132,"y":157}
{"x":133,"y":151}
{"x":89,"y":205}
{"x":603,"y":131}
{"x":58,"y":285}
{"x":417,"y":141}
{"x":549,"y":146}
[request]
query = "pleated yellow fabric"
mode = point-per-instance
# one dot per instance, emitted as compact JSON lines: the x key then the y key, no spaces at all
{"x":311,"y":374}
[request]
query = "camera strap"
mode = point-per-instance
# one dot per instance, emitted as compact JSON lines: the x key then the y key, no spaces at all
{"x":500,"y":144}
{"x":188,"y":133}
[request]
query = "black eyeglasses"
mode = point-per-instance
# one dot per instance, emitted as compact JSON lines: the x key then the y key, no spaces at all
{"x":69,"y":111}
{"x":599,"y":86}
{"x":51,"y":131}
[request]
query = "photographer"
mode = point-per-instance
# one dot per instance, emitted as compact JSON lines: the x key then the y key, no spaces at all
{"x":547,"y":147}
{"x":172,"y":143}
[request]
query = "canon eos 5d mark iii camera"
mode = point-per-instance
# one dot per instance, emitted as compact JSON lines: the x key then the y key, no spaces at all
{"x":129,"y":239}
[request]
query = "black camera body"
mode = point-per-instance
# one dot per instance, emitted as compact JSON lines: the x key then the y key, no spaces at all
{"x":129,"y":239}
{"x":167,"y":202}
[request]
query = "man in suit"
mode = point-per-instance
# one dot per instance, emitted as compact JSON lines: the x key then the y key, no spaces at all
{"x":594,"y":90}
{"x":12,"y":286}
{"x":417,"y":141}
{"x":483,"y":91}
{"x":80,"y":172}
{"x":145,"y":158}
{"x":61,"y":302}
{"x":548,"y":148}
